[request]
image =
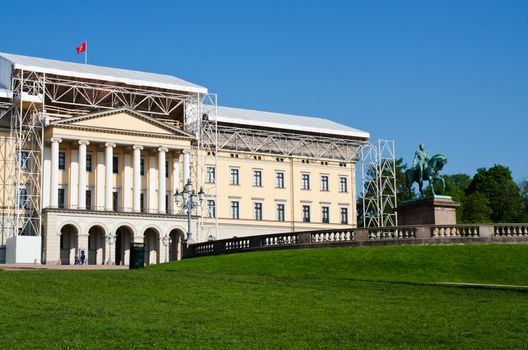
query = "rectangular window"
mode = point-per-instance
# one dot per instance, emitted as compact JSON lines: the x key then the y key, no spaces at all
{"x":257,"y":211}
{"x":279,"y":179}
{"x":210,"y":176}
{"x":115,"y":200}
{"x":115,"y":165}
{"x":344,"y":215}
{"x":88,"y":200}
{"x":142,"y":167}
{"x":62,"y":160}
{"x":324,"y":182}
{"x":211,"y":208}
{"x":325,"y":215}
{"x":62,"y":198}
{"x":23,"y":160}
{"x":305,"y":181}
{"x":233,"y":177}
{"x":306,"y":213}
{"x":166,"y":168}
{"x":280,"y":212}
{"x":22,"y":201}
{"x":142,"y":202}
{"x":257,"y":178}
{"x":167,"y":203}
{"x":88,"y":162}
{"x":343,"y":184}
{"x":235,"y":210}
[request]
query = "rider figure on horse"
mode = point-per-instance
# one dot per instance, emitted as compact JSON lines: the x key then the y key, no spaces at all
{"x":421,"y":157}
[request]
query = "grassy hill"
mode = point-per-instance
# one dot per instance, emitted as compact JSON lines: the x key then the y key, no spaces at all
{"x":315,"y":298}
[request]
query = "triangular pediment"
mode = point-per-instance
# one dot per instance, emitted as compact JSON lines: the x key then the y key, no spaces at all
{"x":123,"y":120}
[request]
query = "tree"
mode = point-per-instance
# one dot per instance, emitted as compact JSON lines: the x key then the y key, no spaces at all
{"x":475,"y":208}
{"x":523,"y":212}
{"x":497,"y":185}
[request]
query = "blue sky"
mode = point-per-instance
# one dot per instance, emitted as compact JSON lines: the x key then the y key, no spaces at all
{"x":450,"y":74}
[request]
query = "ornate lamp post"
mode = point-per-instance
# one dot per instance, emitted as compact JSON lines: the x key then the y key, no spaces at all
{"x":189,"y":202}
{"x":166,"y":242}
{"x":110,"y":238}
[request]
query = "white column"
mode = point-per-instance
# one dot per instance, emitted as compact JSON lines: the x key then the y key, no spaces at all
{"x":162,"y":182}
{"x":175,"y":180}
{"x":137,"y":177}
{"x":109,"y":154}
{"x":82,"y":174}
{"x":127,"y":183}
{"x":54,"y":185}
{"x":186,"y":166}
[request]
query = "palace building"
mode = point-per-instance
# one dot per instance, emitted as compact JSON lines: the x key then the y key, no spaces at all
{"x":91,"y":159}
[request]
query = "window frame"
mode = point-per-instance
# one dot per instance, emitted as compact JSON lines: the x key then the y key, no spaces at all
{"x":234,"y":210}
{"x":210,"y":174}
{"x":325,"y":214}
{"x":281,"y":212}
{"x":279,"y":180}
{"x":257,"y":211}
{"x":325,"y":183}
{"x":343,"y":185}
{"x":234,"y":176}
{"x":115,"y":164}
{"x":305,"y":182}
{"x":62,"y":160}
{"x":306,"y":213}
{"x":257,"y":178}
{"x":211,"y":209}
{"x":343,"y":214}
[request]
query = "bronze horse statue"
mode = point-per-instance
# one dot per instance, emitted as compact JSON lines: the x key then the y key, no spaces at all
{"x":434,"y":165}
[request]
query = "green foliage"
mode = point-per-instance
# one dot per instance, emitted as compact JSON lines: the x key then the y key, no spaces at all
{"x":303,"y":299}
{"x":475,"y":208}
{"x":497,"y":185}
{"x":523,"y":215}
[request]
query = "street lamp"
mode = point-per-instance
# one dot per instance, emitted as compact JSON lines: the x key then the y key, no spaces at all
{"x":166,"y":242}
{"x":110,"y":238}
{"x":189,"y":202}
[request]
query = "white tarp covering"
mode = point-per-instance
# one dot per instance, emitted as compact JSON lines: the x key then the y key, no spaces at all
{"x":23,"y":249}
{"x":286,"y":121}
{"x":88,"y":71}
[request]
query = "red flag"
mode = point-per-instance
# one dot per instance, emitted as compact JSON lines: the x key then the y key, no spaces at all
{"x":81,"y":48}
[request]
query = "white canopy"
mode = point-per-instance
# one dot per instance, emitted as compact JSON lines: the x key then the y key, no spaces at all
{"x":286,"y":122}
{"x":88,"y":71}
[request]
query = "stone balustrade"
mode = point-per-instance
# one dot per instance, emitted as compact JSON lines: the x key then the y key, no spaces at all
{"x":425,"y":234}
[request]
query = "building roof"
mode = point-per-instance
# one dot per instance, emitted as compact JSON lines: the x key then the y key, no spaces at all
{"x":88,"y":71}
{"x":286,"y":121}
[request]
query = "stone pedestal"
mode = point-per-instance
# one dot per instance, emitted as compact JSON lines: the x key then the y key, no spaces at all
{"x":438,"y":210}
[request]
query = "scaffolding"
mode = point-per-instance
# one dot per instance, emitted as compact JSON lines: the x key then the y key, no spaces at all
{"x":378,"y":174}
{"x":200,"y":121}
{"x":36,"y":97}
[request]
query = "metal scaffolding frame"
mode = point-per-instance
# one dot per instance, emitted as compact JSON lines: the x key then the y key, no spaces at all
{"x":284,"y":144}
{"x":38,"y":96}
{"x":24,"y":156}
{"x":200,"y":121}
{"x":378,"y":173}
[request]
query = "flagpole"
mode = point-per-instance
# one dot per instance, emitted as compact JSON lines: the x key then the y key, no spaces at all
{"x":86,"y":54}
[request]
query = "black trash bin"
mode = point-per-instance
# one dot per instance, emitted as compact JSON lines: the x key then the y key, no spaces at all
{"x":137,"y":256}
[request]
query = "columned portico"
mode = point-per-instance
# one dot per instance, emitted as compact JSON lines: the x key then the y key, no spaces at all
{"x":54,"y":183}
{"x":108,"y":175}
{"x":137,"y":178}
{"x":82,"y":174}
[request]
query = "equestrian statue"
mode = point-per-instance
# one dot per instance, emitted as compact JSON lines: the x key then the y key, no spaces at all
{"x":425,"y":168}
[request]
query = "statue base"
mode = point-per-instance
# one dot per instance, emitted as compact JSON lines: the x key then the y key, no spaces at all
{"x":436,"y":210}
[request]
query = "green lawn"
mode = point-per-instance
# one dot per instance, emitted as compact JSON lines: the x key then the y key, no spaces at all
{"x":314,"y":298}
